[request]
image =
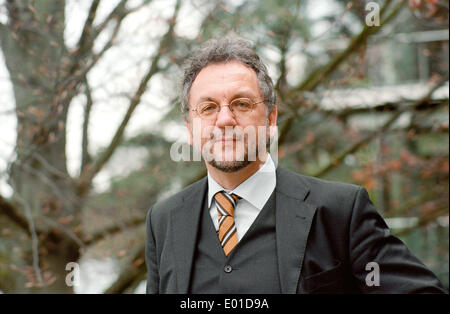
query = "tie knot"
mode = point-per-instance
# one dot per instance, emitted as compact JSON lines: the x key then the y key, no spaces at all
{"x":226,"y":203}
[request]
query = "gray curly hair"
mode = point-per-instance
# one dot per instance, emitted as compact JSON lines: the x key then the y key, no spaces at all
{"x":220,"y":51}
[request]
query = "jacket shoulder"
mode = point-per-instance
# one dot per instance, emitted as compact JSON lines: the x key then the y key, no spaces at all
{"x":320,"y":192}
{"x":314,"y":183}
{"x":163,"y":207}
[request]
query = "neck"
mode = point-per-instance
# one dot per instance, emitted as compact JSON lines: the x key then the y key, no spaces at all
{"x":230,"y":180}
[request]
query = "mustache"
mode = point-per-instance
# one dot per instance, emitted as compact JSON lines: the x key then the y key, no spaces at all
{"x":226,"y":138}
{"x":218,"y":134}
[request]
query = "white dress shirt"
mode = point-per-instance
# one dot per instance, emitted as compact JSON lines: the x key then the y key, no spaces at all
{"x":255,"y":192}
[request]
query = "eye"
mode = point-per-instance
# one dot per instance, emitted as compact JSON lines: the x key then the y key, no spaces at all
{"x":242,"y":104}
{"x":207,"y":108}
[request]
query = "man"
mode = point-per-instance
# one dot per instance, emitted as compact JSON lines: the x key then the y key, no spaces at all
{"x":252,"y":227}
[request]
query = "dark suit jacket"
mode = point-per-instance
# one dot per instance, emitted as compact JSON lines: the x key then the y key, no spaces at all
{"x":327,"y":233}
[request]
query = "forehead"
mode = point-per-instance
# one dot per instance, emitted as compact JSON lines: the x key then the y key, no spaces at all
{"x":223,"y":81}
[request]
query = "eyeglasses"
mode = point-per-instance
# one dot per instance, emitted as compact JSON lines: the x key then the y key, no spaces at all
{"x":240,"y":107}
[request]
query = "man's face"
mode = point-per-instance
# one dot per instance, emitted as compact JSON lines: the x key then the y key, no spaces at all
{"x":221,"y":84}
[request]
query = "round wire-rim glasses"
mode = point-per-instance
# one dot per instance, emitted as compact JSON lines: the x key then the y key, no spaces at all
{"x":240,"y":107}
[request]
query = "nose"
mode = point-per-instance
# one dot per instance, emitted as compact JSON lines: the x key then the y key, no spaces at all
{"x":225,"y":117}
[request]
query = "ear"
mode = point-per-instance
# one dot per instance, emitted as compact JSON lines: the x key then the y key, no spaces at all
{"x":273,"y":116}
{"x":189,"y":130}
{"x":273,"y":119}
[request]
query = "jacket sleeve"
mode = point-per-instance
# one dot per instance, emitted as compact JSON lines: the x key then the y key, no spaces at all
{"x":381,"y":263}
{"x":151,"y":259}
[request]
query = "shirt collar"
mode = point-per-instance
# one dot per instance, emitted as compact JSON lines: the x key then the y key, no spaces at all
{"x":256,"y":189}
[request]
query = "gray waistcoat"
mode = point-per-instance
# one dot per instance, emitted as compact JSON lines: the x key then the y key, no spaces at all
{"x":251,"y":267}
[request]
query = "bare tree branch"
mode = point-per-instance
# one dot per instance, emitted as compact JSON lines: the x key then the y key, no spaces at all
{"x":69,"y":234}
{"x":13,"y":11}
{"x":128,"y":276}
{"x":86,"y":39}
{"x":50,"y":168}
{"x":45,"y":179}
{"x":3,"y":30}
{"x":91,"y":33}
{"x":318,"y":76}
{"x":411,"y":203}
{"x":425,"y":220}
{"x":34,"y":235}
{"x":9,"y":210}
{"x":386,"y":107}
{"x":85,"y":157}
{"x":280,"y":85}
{"x":134,"y":222}
{"x":92,"y":169}
{"x":338,"y":159}
{"x":83,"y":58}
{"x":118,"y":13}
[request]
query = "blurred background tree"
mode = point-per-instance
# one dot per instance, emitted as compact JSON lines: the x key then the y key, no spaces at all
{"x":93,"y":99}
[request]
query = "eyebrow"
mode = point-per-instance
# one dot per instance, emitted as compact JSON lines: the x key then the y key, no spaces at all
{"x":235,"y":96}
{"x":205,"y":98}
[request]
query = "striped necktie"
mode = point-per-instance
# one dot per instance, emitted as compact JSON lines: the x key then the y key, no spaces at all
{"x":225,"y":204}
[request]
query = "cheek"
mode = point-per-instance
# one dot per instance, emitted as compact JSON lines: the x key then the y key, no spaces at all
{"x":259,"y":118}
{"x":199,"y":131}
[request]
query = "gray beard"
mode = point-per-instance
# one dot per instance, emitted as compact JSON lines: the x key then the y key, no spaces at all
{"x":233,"y":166}
{"x":230,"y":166}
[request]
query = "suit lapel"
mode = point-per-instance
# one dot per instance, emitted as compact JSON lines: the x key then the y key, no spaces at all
{"x":185,"y":224}
{"x":293,"y":221}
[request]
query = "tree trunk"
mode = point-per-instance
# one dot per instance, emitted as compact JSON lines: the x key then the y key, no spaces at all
{"x":34,"y":52}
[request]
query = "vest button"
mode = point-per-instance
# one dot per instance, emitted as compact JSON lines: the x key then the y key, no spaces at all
{"x":228,"y":269}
